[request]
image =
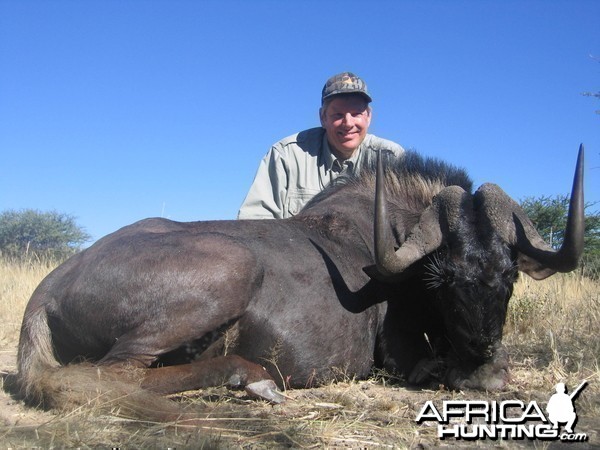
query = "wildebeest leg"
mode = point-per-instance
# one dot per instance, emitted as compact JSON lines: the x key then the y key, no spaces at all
{"x":232,"y":370}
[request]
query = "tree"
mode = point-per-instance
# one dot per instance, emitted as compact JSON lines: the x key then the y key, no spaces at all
{"x":593,"y":94}
{"x":549,"y":215}
{"x":44,"y":234}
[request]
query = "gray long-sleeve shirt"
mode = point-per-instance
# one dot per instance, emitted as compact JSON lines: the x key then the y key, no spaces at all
{"x":297,"y":168}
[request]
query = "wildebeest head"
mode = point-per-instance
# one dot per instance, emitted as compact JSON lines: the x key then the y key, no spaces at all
{"x":470,"y":280}
{"x":468,"y":249}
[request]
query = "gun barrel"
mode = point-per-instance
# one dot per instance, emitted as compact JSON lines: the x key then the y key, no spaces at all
{"x":579,"y":388}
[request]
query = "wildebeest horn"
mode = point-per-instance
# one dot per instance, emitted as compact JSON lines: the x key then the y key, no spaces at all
{"x":443,"y":216}
{"x":536,"y":258}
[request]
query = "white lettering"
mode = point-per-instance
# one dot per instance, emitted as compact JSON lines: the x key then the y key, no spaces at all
{"x":533,"y":412}
{"x":477,"y":409}
{"x":481,"y":419}
{"x":505,"y":408}
{"x":577,"y":437}
{"x":454,"y":408}
{"x":500,"y":431}
{"x":434,"y":415}
{"x":444,"y":432}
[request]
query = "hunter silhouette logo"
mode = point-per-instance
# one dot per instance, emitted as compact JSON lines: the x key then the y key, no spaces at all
{"x":560,"y":407}
{"x":508,"y":419}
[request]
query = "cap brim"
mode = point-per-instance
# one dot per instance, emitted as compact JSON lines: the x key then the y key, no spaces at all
{"x":345,"y":91}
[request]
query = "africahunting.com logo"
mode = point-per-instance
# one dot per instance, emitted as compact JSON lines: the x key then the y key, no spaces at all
{"x":511,"y":419}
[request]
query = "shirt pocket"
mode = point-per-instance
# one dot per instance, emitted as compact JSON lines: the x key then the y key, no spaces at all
{"x":297,"y":199}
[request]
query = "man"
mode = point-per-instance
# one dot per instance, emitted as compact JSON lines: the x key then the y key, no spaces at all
{"x":298,"y":167}
{"x":560,"y":407}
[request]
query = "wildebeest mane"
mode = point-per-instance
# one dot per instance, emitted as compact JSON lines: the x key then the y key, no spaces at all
{"x":411,"y":178}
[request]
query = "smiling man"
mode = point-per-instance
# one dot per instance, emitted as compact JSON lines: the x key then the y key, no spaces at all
{"x":298,"y":167}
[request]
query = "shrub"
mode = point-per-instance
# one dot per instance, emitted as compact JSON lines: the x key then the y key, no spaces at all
{"x":30,"y":233}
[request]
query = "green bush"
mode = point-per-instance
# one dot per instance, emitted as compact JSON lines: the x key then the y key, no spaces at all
{"x":549,"y":215}
{"x":30,"y":233}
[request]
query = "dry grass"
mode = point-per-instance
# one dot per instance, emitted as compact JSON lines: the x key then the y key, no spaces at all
{"x":551,"y":332}
{"x":553,"y":335}
{"x":17,"y":282}
{"x":555,"y":323}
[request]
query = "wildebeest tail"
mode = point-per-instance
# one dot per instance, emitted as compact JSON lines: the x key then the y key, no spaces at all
{"x":35,"y":356}
{"x":42,"y":380}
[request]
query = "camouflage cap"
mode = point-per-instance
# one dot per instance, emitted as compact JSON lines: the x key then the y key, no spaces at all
{"x":344,"y":83}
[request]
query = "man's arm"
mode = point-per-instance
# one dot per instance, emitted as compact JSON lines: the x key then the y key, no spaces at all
{"x":266,"y":197}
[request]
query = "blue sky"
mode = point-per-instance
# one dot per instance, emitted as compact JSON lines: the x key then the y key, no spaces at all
{"x":113,"y":111}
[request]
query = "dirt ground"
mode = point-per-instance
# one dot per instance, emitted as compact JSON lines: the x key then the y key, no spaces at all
{"x":13,"y":412}
{"x":347,"y":414}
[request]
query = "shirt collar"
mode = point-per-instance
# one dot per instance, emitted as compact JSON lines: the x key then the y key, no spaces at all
{"x":329,"y":158}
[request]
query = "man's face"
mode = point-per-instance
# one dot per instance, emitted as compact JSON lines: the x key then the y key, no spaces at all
{"x":346,"y":120}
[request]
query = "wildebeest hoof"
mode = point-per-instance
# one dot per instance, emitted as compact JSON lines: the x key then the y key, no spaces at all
{"x":234,"y":380}
{"x":488,"y":377}
{"x":482,"y":383}
{"x":424,"y":370}
{"x":266,"y":390}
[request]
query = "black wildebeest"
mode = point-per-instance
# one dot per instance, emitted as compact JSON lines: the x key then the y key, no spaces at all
{"x":307,"y":296}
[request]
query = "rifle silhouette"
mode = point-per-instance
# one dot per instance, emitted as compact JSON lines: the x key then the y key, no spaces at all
{"x":576,"y":392}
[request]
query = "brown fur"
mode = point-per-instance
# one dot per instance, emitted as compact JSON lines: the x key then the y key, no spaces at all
{"x":115,"y":389}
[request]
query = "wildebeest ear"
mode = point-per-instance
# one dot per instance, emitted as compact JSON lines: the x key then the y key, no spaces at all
{"x":535,"y":257}
{"x":341,"y":267}
{"x":533,"y":268}
{"x":374,"y":273}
